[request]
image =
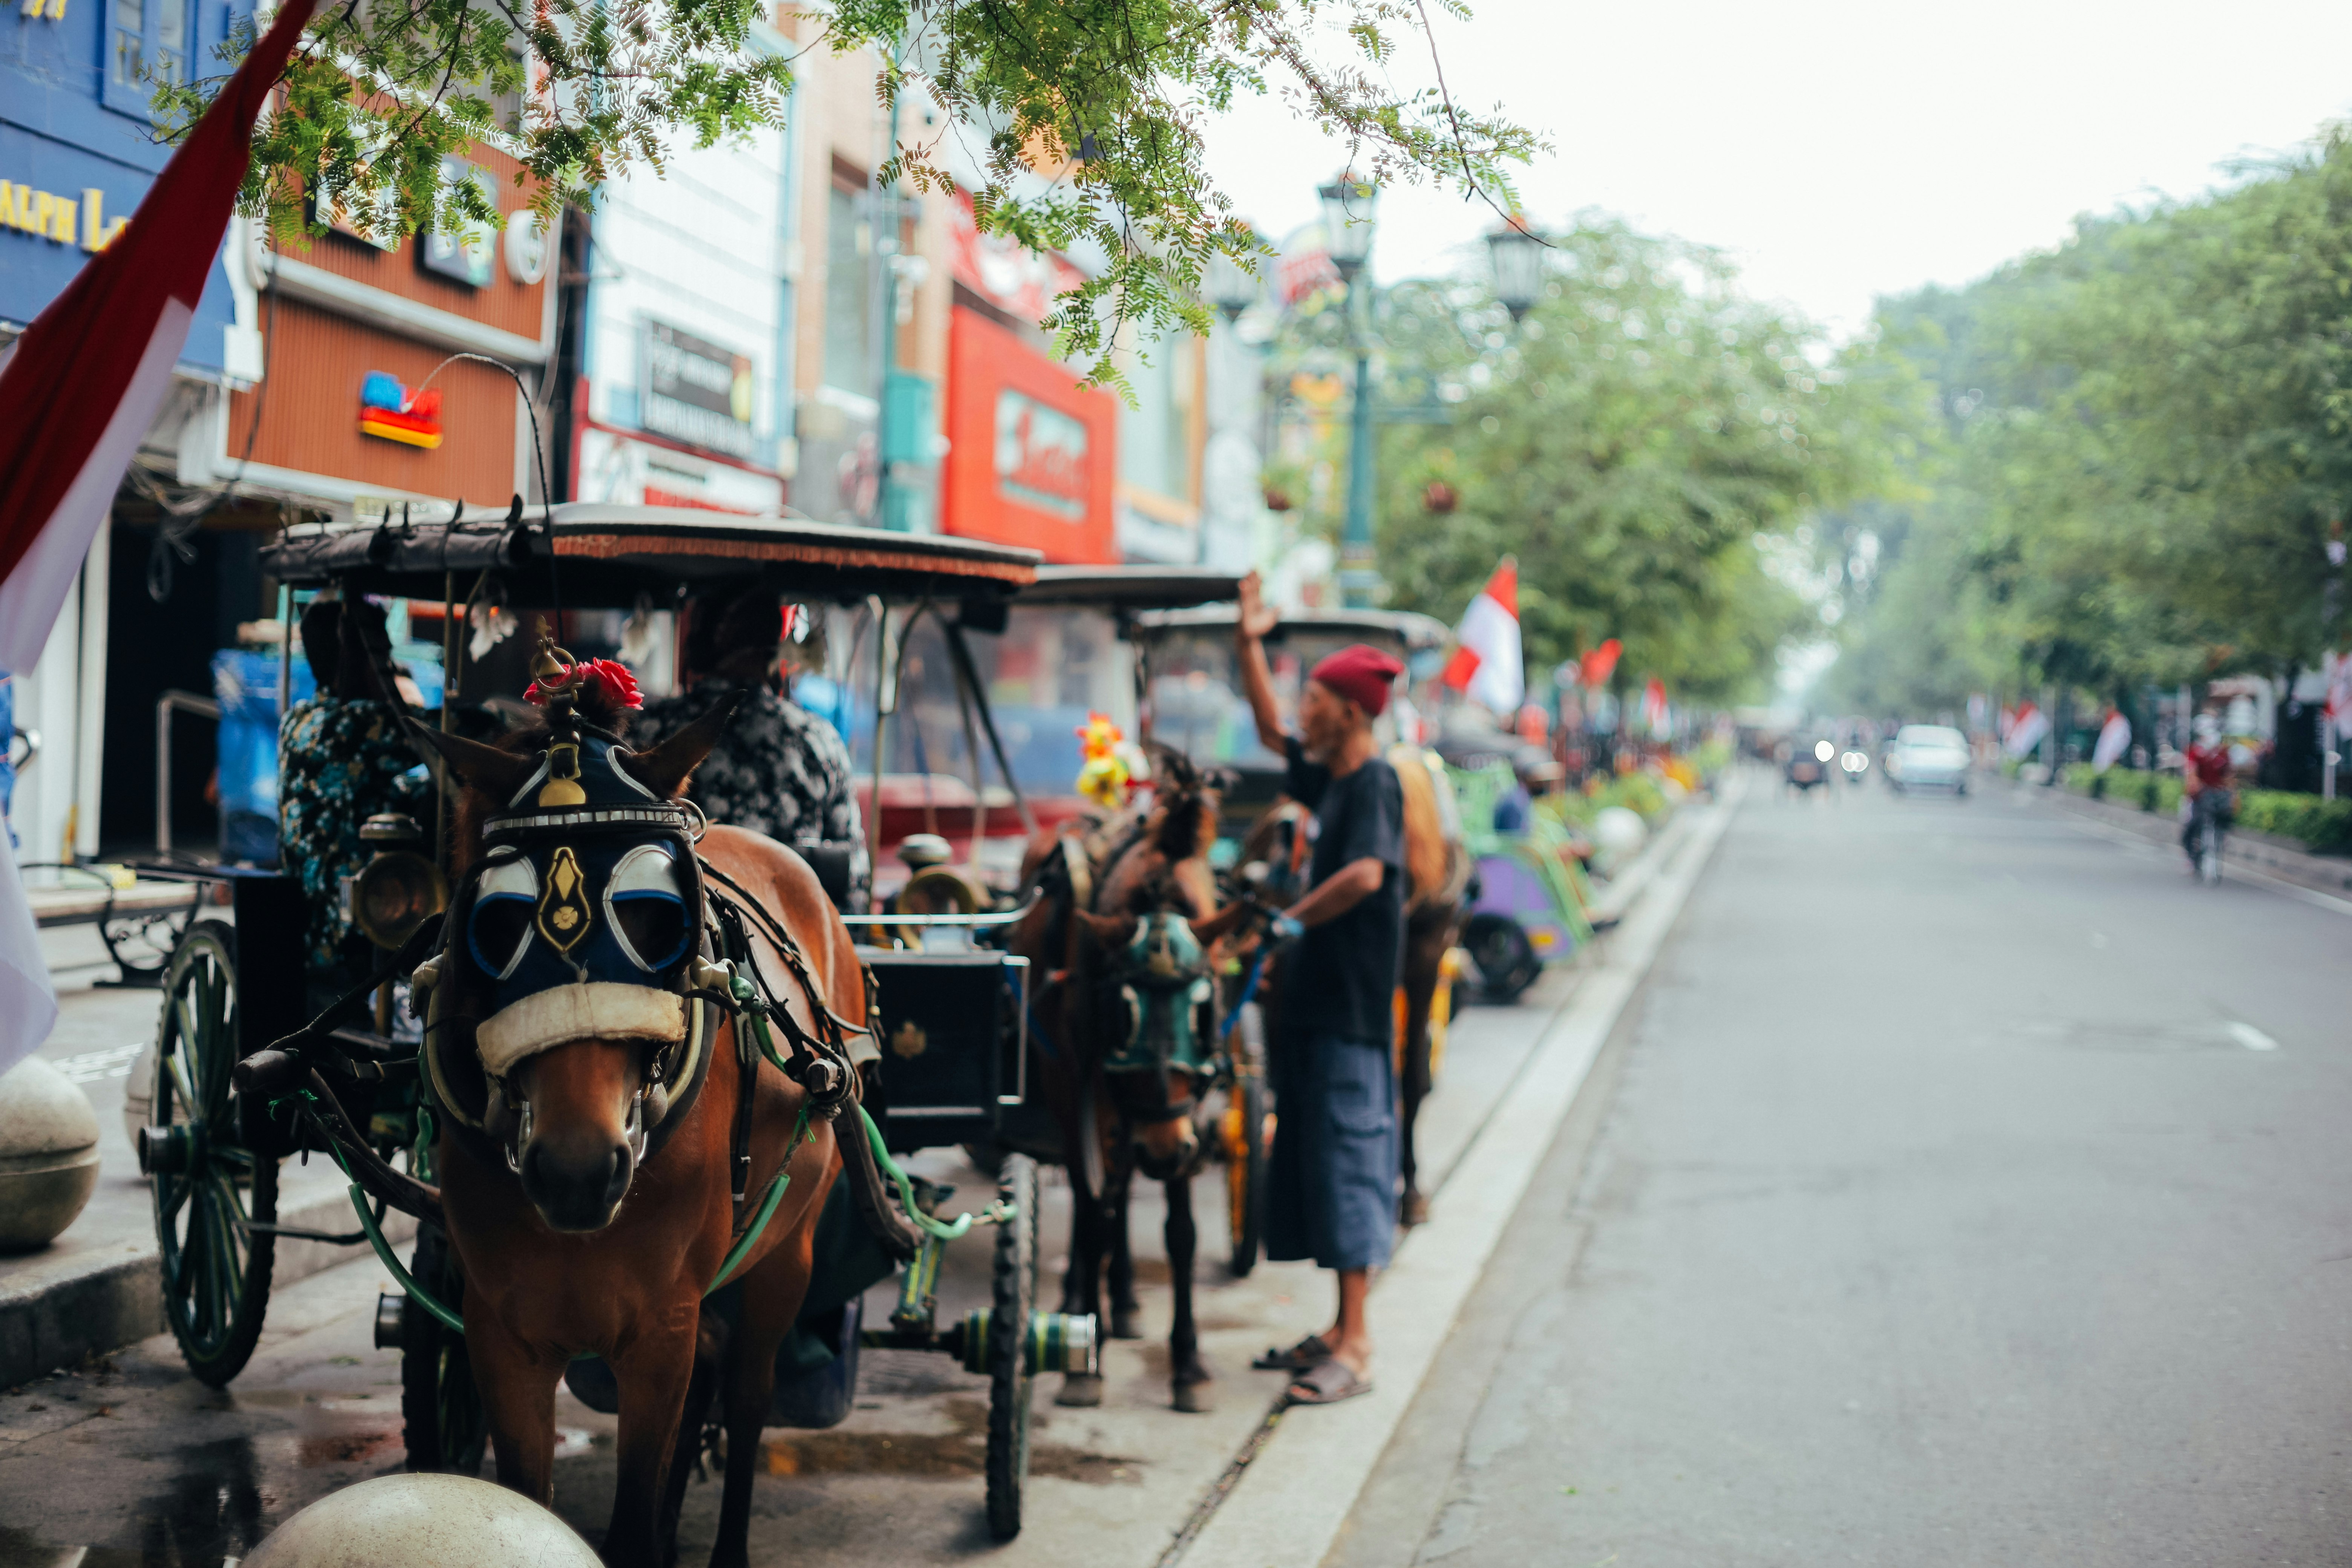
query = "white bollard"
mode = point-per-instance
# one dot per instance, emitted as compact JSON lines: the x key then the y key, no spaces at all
{"x":423,"y":1521}
{"x":48,"y":1154}
{"x":1617,"y":834}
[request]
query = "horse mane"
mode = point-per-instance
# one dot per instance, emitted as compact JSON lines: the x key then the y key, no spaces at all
{"x":1187,"y":814}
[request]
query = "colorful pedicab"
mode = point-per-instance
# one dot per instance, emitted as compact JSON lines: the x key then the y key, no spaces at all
{"x":249,"y":1070}
{"x":1197,"y":705}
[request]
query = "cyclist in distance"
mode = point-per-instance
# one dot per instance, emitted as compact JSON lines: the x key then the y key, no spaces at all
{"x":2205,"y":784}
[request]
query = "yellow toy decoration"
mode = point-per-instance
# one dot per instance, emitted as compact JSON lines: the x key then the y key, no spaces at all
{"x":1104,"y":778}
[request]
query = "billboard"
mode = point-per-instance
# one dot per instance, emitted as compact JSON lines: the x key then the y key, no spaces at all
{"x":1032,"y":455}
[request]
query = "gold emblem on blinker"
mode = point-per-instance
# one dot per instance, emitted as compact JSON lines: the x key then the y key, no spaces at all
{"x":562,"y":785}
{"x":563,"y":913}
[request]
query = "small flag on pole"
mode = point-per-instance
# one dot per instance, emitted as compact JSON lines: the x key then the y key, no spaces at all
{"x":1486,"y":667}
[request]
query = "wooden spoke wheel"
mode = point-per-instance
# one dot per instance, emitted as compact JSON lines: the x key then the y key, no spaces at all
{"x":446,"y":1427}
{"x":1011,"y":1382}
{"x":208,"y":1183}
{"x":1248,"y":1135}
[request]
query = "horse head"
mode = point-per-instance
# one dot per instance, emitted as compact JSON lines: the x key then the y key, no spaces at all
{"x":573,"y":939}
{"x":1155,"y":941}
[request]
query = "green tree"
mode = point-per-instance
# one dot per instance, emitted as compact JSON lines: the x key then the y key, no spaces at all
{"x":1113,"y":93}
{"x":1645,"y":442}
{"x":2144,"y":453}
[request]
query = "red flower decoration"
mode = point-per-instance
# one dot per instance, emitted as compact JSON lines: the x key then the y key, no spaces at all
{"x":620,"y":686}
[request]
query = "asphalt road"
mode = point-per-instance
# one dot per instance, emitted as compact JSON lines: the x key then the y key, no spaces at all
{"x":1967,"y":1188}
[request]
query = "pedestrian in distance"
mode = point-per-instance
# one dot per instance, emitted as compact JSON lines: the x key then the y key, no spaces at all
{"x":1331,"y":1187}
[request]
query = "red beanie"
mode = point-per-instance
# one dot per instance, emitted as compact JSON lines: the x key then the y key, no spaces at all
{"x":1360,"y":674}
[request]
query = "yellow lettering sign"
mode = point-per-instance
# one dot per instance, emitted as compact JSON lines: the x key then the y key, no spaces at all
{"x":59,"y":218}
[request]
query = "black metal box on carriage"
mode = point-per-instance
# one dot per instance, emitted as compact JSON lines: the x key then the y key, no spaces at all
{"x":954,"y":1034}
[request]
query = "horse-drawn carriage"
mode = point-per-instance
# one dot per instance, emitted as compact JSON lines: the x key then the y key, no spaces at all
{"x":561,"y":833}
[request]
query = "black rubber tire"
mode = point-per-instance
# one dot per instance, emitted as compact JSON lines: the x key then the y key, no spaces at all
{"x":1010,"y":1382}
{"x":1245,"y":1167}
{"x":1505,"y":958}
{"x":445,"y":1426}
{"x":216,"y":1274}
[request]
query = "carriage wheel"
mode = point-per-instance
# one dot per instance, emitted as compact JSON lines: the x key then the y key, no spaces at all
{"x":1506,"y":960}
{"x":1009,"y":1380}
{"x":1249,"y":1144}
{"x":446,"y":1427}
{"x":207,"y":1182}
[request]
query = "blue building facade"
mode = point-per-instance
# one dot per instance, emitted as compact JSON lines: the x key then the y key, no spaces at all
{"x":78,"y":149}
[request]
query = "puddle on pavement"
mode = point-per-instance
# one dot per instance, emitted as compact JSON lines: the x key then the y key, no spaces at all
{"x":216,"y":1507}
{"x":944,"y":1455}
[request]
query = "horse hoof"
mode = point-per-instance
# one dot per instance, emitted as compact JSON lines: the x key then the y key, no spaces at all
{"x":1080,"y":1391}
{"x":1126,"y":1323}
{"x":1196,"y":1398}
{"x":1414,"y":1210}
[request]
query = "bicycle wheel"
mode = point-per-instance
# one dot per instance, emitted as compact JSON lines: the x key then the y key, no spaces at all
{"x":1011,"y":1382}
{"x":209,"y":1184}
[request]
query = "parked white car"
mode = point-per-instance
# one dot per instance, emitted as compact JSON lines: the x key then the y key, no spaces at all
{"x":1928,"y":756}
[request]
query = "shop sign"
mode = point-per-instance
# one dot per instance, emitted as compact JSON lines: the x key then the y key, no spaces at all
{"x":61,"y":220}
{"x":1041,"y":455}
{"x":391,"y":412}
{"x":619,"y":470}
{"x":468,"y":253}
{"x":694,"y":391}
{"x":1021,"y":282}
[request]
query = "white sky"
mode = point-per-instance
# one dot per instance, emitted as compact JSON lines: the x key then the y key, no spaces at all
{"x":1839,"y":149}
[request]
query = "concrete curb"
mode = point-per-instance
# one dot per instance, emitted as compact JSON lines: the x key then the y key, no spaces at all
{"x":99,"y":1299}
{"x":1287,"y":1507}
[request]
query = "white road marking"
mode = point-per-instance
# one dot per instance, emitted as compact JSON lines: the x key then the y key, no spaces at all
{"x":2254,"y":1039}
{"x":1288,"y":1505}
{"x":89,"y":1066}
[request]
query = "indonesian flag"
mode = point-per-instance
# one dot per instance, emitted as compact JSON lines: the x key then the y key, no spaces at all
{"x":1486,"y":667}
{"x":76,"y":393}
{"x":1655,"y":712}
{"x":2338,"y":670}
{"x":2026,"y":731}
{"x":2114,"y":736}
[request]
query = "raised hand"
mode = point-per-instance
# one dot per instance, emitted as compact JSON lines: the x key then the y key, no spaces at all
{"x":1256,"y":616}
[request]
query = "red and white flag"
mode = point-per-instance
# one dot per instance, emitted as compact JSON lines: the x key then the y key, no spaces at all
{"x":1486,"y":667}
{"x":2114,"y":736}
{"x":77,"y":391}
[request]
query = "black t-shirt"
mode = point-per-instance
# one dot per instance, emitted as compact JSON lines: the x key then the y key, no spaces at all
{"x":1340,"y":979}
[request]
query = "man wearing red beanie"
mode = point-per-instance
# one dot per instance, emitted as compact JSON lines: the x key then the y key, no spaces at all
{"x":1331,"y":1187}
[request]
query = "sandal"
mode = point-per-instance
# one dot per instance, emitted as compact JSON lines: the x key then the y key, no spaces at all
{"x":1328,"y":1382}
{"x":1308,"y":1352}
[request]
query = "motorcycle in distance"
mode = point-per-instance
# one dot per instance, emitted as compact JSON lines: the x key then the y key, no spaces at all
{"x":1805,"y":767}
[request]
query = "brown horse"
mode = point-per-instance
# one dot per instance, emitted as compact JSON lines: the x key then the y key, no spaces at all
{"x":1124,"y":1111}
{"x":591,"y":1211}
{"x":1437,"y":868}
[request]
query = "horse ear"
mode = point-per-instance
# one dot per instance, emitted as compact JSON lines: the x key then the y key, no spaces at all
{"x":496,"y":773}
{"x":665,"y":768}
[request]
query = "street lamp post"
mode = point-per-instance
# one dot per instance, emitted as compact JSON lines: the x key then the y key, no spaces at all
{"x":1348,"y":204}
{"x":1515,"y":253}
